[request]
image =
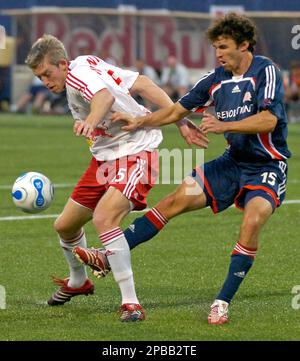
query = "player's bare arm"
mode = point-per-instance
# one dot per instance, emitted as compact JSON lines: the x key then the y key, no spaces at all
{"x":148,"y":90}
{"x":172,"y":114}
{"x":161,"y":117}
{"x":101,"y":104}
{"x":263,"y":122}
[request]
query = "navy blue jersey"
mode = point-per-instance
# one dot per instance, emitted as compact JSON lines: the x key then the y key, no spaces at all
{"x":238,"y":97}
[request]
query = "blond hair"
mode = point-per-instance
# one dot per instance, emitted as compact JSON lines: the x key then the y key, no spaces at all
{"x":48,"y":45}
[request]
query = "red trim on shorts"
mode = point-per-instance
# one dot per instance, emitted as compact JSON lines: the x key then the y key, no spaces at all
{"x":214,"y":205}
{"x":253,"y":188}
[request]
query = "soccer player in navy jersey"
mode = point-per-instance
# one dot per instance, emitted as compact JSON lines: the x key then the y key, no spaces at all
{"x":247,"y":93}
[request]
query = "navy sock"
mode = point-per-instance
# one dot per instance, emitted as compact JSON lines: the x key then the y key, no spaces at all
{"x":239,"y":266}
{"x":145,"y":228}
{"x":141,"y":230}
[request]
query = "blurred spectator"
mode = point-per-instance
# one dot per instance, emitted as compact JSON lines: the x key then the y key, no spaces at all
{"x":175,"y":78}
{"x":4,"y":89}
{"x":292,"y":93}
{"x":143,"y":69}
{"x":36,"y":94}
{"x":293,"y":90}
{"x":105,"y":55}
{"x":56,"y":104}
{"x":6,"y":60}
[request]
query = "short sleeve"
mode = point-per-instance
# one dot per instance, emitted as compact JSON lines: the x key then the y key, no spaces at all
{"x":87,"y":80}
{"x":270,"y":89}
{"x":127,"y":76}
{"x":199,"y":96}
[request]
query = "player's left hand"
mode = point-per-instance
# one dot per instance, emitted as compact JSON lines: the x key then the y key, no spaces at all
{"x":192,"y":134}
{"x":210,"y":124}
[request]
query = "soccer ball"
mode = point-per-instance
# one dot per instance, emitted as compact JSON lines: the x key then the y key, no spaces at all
{"x":32,"y":192}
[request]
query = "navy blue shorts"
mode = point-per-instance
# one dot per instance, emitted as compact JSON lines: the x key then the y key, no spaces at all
{"x":226,"y":182}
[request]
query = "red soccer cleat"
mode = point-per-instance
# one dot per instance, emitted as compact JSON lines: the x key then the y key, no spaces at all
{"x":94,"y":258}
{"x":65,"y":293}
{"x":218,"y":313}
{"x":131,"y":312}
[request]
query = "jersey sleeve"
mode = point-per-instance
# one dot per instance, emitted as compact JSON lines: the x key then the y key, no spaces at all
{"x":87,"y":80}
{"x":199,"y":97}
{"x":127,"y":76}
{"x":270,"y":89}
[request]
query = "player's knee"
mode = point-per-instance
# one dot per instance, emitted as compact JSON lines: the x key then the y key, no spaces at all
{"x":58,"y":225}
{"x":252,"y":221}
{"x":62,"y":228}
{"x":103,"y":220}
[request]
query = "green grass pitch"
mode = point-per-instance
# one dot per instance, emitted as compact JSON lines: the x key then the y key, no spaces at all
{"x":177,"y":274}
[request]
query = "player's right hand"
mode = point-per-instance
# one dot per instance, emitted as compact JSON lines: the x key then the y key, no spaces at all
{"x":83,"y":128}
{"x":132,"y":123}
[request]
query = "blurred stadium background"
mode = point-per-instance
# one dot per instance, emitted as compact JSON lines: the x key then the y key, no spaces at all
{"x":175,"y":293}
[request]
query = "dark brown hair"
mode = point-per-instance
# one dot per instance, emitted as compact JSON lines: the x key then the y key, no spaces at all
{"x":237,"y":27}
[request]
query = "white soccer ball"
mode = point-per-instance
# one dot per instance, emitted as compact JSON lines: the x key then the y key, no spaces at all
{"x":32,"y":192}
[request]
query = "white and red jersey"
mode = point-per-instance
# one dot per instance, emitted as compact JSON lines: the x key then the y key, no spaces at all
{"x":86,"y":76}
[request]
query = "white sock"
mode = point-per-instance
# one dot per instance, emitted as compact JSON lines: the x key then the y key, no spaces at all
{"x":78,"y":273}
{"x":118,"y":254}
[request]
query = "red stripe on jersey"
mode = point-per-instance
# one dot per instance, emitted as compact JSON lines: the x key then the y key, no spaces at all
{"x":82,"y":83}
{"x":212,"y":88}
{"x":200,"y":109}
{"x":87,"y":97}
{"x":271,"y":149}
{"x":80,"y":87}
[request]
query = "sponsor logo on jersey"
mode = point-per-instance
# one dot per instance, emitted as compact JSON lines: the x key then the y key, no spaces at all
{"x":232,"y":113}
{"x":101,"y":132}
{"x":236,"y":89}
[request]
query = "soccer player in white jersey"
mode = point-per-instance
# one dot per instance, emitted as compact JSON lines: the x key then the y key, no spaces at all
{"x":123,"y":167}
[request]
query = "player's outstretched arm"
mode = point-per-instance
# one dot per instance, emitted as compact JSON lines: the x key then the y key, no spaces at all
{"x":148,"y":90}
{"x":262,"y":122}
{"x":159,"y":118}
